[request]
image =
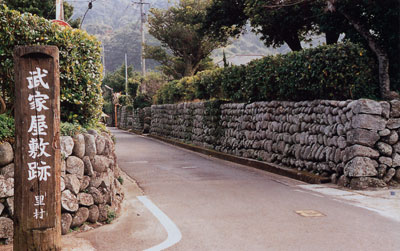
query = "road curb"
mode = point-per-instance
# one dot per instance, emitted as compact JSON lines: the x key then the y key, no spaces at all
{"x":269,"y":167}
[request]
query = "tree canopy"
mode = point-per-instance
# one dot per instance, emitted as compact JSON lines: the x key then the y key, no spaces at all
{"x":372,"y":23}
{"x":42,"y":8}
{"x":184,"y":48}
{"x":277,"y":23}
{"x":116,"y":79}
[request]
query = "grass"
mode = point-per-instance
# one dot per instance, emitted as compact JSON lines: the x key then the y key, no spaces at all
{"x":111,"y":215}
{"x":121,"y":180}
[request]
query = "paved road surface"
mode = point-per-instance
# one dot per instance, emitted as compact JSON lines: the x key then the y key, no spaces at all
{"x":219,"y":205}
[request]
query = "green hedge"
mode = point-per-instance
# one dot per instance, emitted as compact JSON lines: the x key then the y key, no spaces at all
{"x":6,"y":128}
{"x":341,"y":71}
{"x":80,"y":63}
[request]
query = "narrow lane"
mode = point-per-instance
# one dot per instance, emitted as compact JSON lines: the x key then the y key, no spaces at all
{"x":219,"y":205}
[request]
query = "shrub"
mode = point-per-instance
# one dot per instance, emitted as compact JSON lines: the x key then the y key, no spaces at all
{"x":111,"y":215}
{"x":141,"y":101}
{"x":121,"y":180}
{"x":129,"y":108}
{"x":341,"y":71}
{"x":133,"y":86}
{"x":6,"y":128}
{"x":80,"y":62}
{"x":70,"y":129}
{"x":124,"y":100}
{"x":170,"y":93}
{"x":108,"y":108}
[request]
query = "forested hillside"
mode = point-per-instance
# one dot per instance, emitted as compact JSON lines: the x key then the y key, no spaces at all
{"x":116,"y":23}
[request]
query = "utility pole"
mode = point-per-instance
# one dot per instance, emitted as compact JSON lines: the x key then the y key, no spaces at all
{"x":59,"y":10}
{"x":126,"y":75}
{"x":142,"y":21}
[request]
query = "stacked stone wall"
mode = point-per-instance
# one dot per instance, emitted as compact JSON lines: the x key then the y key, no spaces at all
{"x":90,"y":188}
{"x":137,"y":119}
{"x":356,"y":143}
{"x":147,"y":119}
{"x":125,"y":117}
{"x":195,"y":123}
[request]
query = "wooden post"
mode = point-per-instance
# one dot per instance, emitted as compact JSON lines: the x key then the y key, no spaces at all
{"x":37,"y":218}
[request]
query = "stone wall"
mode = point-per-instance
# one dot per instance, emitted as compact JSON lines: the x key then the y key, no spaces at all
{"x":137,"y":119}
{"x":356,"y":143}
{"x":196,"y":123}
{"x":89,"y":182}
{"x":124,"y":117}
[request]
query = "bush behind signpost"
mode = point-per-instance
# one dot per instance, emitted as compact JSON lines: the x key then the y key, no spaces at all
{"x":80,"y":63}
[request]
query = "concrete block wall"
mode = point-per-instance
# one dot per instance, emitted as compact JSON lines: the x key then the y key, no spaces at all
{"x":355,"y":142}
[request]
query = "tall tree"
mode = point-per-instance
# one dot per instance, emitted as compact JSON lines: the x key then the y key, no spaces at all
{"x":288,"y":24}
{"x":178,"y":30}
{"x":373,"y":23}
{"x":377,"y":24}
{"x":277,"y":24}
{"x":43,"y":8}
{"x":225,"y":18}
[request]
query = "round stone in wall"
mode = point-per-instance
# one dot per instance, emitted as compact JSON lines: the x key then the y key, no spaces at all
{"x":85,"y":199}
{"x":80,"y":217}
{"x":66,"y":220}
{"x":79,"y":146}
{"x":67,"y":144}
{"x":6,"y":154}
{"x":69,"y":202}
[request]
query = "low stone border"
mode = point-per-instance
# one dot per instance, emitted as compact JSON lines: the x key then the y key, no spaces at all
{"x":91,"y":189}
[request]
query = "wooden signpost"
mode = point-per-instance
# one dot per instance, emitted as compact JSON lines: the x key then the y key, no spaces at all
{"x":37,"y":219}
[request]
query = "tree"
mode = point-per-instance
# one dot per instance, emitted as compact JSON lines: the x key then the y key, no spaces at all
{"x":184,"y":48}
{"x":289,"y":24}
{"x":42,"y":8}
{"x":277,"y":24}
{"x":372,"y":23}
{"x":225,"y":19}
{"x":133,"y":86}
{"x":377,"y":23}
{"x":151,"y":83}
{"x":173,"y":66}
{"x":116,"y":80}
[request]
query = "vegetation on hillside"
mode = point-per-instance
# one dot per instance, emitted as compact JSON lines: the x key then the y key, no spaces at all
{"x":116,"y":24}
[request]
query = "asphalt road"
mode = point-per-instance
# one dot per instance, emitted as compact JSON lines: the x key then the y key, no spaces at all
{"x":218,"y":205}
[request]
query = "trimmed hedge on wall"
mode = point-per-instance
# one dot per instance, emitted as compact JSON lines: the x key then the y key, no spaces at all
{"x":341,"y":71}
{"x":80,"y":63}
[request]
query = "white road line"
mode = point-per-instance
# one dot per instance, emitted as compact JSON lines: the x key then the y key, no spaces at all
{"x":174,"y":235}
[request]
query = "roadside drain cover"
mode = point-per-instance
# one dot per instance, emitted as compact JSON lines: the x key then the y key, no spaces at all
{"x":310,"y":213}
